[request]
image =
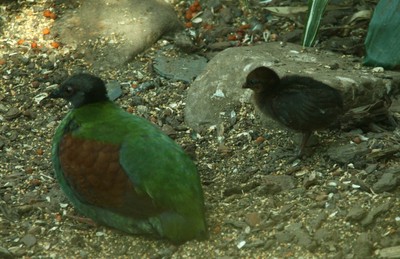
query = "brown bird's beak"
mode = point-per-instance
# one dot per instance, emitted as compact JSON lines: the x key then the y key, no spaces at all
{"x":245,"y":85}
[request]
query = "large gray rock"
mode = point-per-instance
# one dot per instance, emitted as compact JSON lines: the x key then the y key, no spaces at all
{"x":221,"y":80}
{"x":121,"y":28}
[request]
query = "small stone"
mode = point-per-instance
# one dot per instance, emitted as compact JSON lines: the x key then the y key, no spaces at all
{"x":51,"y":124}
{"x":375,"y":213}
{"x":260,"y":139}
{"x":185,"y":43}
{"x":169,"y":131}
{"x":29,"y":171}
{"x":284,"y":237}
{"x":153,"y":120}
{"x":387,"y":183}
{"x":3,"y":61}
{"x":35,"y":84}
{"x":226,"y":15}
{"x":114,"y":90}
{"x":253,"y":219}
{"x":12,"y":113}
{"x":29,"y":114}
{"x":35,"y":182}
{"x":35,"y":230}
{"x":224,"y":149}
{"x":29,"y":240}
{"x":129,"y":109}
{"x":39,"y":152}
{"x":142,"y":109}
{"x":363,"y":246}
{"x":356,"y":213}
{"x":357,"y":140}
{"x":218,"y":46}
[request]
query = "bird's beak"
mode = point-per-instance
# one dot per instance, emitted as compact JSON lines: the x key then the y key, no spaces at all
{"x":245,"y":85}
{"x":55,"y":94}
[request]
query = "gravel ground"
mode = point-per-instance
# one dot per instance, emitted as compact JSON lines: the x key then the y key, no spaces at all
{"x":258,"y":206}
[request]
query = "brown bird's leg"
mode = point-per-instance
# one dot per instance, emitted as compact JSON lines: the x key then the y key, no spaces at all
{"x":83,"y":220}
{"x":300,"y":153}
{"x":306,"y":136}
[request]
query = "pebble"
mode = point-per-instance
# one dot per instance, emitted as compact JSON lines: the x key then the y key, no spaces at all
{"x":12,"y":113}
{"x":226,"y":15}
{"x":114,"y":90}
{"x":253,"y":219}
{"x":356,"y":214}
{"x":142,"y":109}
{"x":29,"y":240}
{"x":387,"y":183}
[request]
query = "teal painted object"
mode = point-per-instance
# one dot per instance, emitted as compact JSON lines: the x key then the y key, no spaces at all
{"x":154,"y":163}
{"x":382,"y":45}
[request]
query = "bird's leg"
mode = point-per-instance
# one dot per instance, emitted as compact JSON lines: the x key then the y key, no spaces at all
{"x":83,"y":220}
{"x":306,"y":136}
{"x":300,"y":153}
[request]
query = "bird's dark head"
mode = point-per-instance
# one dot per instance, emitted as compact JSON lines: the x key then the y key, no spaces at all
{"x":81,"y":89}
{"x":262,"y":79}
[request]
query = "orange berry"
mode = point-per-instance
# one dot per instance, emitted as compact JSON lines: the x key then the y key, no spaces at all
{"x":192,"y":8}
{"x":196,"y":3}
{"x":46,"y":31}
{"x":20,"y":42}
{"x":209,"y":27}
{"x":55,"y":44}
{"x":198,"y":8}
{"x":53,"y":16}
{"x":189,"y":25}
{"x":33,"y":45}
{"x":188,"y":16}
{"x":247,"y":26}
{"x":232,"y":37}
{"x":189,"y":12}
{"x":46,"y":13}
{"x":204,"y":25}
{"x":242,"y":27}
{"x":194,"y":14}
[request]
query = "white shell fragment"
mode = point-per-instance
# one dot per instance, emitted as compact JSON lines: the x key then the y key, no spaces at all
{"x":378,"y":70}
{"x":197,"y":20}
{"x":241,"y":244}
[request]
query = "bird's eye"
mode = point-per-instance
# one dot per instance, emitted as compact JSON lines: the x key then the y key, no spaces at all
{"x":252,"y":81}
{"x":69,"y":90}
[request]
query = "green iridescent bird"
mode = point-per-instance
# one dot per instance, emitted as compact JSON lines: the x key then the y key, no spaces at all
{"x":121,"y":171}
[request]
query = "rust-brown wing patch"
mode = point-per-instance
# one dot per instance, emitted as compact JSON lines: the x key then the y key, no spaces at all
{"x":93,"y":170}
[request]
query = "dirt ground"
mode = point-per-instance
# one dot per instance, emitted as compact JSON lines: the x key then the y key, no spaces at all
{"x":257,"y":205}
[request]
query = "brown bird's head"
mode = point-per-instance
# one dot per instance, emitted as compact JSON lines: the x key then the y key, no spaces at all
{"x":262,"y":79}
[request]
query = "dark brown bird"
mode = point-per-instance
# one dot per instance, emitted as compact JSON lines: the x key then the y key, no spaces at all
{"x":298,"y":102}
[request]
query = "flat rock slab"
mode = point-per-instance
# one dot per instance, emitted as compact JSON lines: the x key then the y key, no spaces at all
{"x":184,"y":68}
{"x":121,"y":28}
{"x":221,"y":81}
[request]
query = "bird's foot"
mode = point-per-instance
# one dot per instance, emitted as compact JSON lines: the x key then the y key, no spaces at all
{"x":294,"y":155}
{"x":291,"y":157}
{"x":83,"y":220}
